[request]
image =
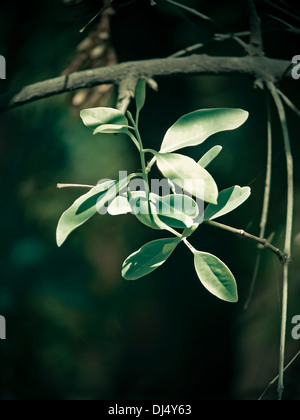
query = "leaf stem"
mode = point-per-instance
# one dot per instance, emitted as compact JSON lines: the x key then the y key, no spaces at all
{"x":189,"y":245}
{"x":142,"y":152}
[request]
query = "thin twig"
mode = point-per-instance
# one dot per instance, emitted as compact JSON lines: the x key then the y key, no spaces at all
{"x":289,"y":229}
{"x":104,"y":8}
{"x":289,"y":28}
{"x":266,"y":202}
{"x":253,"y":282}
{"x":289,"y":103}
{"x":207,"y":18}
{"x":261,"y":241}
{"x":187,"y":50}
{"x":277,"y":377}
{"x":267,"y":192}
{"x":217,"y":38}
{"x":75,"y":186}
{"x":293,"y":15}
{"x":189,"y":9}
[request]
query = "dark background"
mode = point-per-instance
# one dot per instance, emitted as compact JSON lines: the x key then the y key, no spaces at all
{"x":75,"y":328}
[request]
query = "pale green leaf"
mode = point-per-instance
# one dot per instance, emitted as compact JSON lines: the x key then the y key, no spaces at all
{"x":86,"y":206}
{"x":94,"y":117}
{"x":140,"y":94}
{"x":111,"y":129}
{"x":210,"y":156}
{"x":148,"y":258}
{"x":120,"y":205}
{"x":216,"y":277}
{"x":194,"y":128}
{"x":80,"y":211}
{"x":188,"y":175}
{"x":228,"y":200}
{"x":104,"y":202}
{"x":176,"y":211}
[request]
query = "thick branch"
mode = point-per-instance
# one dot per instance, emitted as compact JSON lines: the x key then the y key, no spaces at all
{"x":266,"y":69}
{"x":256,"y":40}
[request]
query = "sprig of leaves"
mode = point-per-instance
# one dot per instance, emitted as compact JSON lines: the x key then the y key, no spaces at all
{"x":165,"y":212}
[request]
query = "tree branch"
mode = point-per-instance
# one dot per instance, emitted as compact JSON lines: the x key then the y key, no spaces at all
{"x":256,"y":40}
{"x":289,"y":229}
{"x":263,"y":68}
{"x":261,"y":241}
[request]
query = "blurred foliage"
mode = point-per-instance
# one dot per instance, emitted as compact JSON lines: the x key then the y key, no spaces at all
{"x":75,"y":329}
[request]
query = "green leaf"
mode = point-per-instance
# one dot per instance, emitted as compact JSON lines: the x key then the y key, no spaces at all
{"x":194,"y":128}
{"x":187,"y":174}
{"x":228,"y":201}
{"x":120,"y":205}
{"x":88,"y":205}
{"x":210,"y":156}
{"x":111,"y":129}
{"x":140,"y":94}
{"x":216,"y":277}
{"x":148,"y":258}
{"x":104,"y":202}
{"x":189,"y":231}
{"x":80,"y":211}
{"x":94,"y":117}
{"x":175,"y":211}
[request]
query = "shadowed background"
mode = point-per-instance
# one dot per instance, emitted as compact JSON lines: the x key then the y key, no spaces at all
{"x":75,"y":328}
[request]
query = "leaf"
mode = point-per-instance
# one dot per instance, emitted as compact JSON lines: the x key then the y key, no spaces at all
{"x":88,"y":205}
{"x":94,"y":117}
{"x":194,"y":128}
{"x":177,"y":211}
{"x":148,"y":258}
{"x":80,"y":211}
{"x":228,"y":201}
{"x":174,"y":211}
{"x":210,"y":156}
{"x":111,"y":129}
{"x":120,"y":205}
{"x":188,"y":175}
{"x":216,"y":277}
{"x":140,"y":94}
{"x":104,"y":202}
